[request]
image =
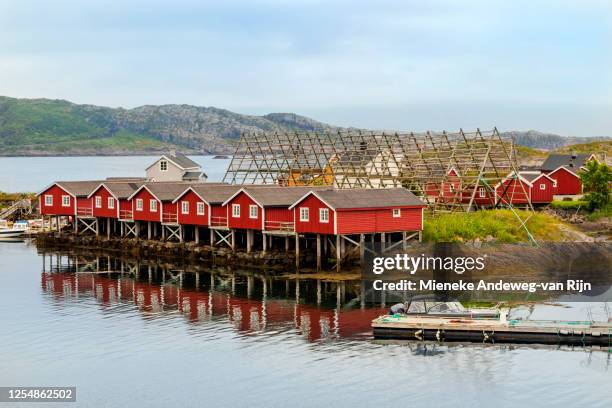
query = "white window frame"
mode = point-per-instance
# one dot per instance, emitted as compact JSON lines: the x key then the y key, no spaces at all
{"x":184,"y":207}
{"x":236,"y":210}
{"x":253,"y":213}
{"x":542,"y":186}
{"x":65,"y":201}
{"x":397,"y":212}
{"x":152,"y":205}
{"x":451,"y":187}
{"x":110,"y":202}
{"x":139,"y":204}
{"x":98,"y":202}
{"x":304,"y":214}
{"x":324,"y":215}
{"x":162,"y":164}
{"x":200,"y":208}
{"x":555,"y":183}
{"x":48,"y":200}
{"x":481,"y":192}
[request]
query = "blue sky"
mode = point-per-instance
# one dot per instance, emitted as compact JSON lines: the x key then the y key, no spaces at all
{"x":409,"y":65}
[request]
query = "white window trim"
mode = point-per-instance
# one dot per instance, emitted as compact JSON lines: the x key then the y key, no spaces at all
{"x":324,"y":220}
{"x":200,"y":208}
{"x":153,"y":205}
{"x":236,"y":210}
{"x":482,"y":192}
{"x":184,"y":207}
{"x":304,"y":214}
{"x":139,"y":204}
{"x":48,"y":200}
{"x":397,"y":213}
{"x":65,"y":201}
{"x":98,"y":202}
{"x":111,"y":203}
{"x":251,"y":215}
{"x":542,"y":186}
{"x":555,"y":183}
{"x":161,"y":167}
{"x":451,"y":187}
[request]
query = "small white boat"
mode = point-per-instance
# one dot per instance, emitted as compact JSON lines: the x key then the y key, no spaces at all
{"x":19,"y":229}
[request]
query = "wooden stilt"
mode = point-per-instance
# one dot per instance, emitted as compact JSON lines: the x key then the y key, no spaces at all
{"x":362,"y":249}
{"x":338,"y":254}
{"x":108,"y":228}
{"x":197,"y":234}
{"x":265,"y":243}
{"x":249,"y":240}
{"x":286,"y":244}
{"x":297,"y":251}
{"x":212,"y":237}
{"x":383,"y":241}
{"x":233,"y":240}
{"x":149,"y":230}
{"x":318,"y":252}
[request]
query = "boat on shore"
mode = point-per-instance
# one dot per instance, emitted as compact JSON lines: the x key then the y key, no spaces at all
{"x":425,"y":326}
{"x":18,"y":230}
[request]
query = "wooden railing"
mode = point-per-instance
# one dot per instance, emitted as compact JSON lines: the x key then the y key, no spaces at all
{"x":285,"y":226}
{"x":169,"y":217}
{"x":85,"y":212}
{"x":218,"y":221}
{"x":126,"y":215}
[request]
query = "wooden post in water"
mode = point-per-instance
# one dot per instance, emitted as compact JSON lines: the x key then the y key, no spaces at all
{"x":338,"y":253}
{"x":212,"y":237}
{"x":319,"y":291}
{"x":318,"y":253}
{"x":233,"y":240}
{"x":287,"y":244}
{"x":362,"y":249}
{"x":383,"y":242}
{"x":265,"y":242}
{"x":148,"y":230}
{"x":297,"y":251}
{"x":108,"y":228}
{"x":197,"y":234}
{"x":249,"y":240}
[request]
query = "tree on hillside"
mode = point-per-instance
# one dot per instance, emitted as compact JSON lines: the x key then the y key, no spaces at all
{"x":596,"y":181}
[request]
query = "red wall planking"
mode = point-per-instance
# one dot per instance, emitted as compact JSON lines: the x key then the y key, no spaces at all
{"x":146,"y":214}
{"x":567,"y":182}
{"x":355,"y":221}
{"x":57,"y":208}
{"x":542,"y":196}
{"x":244,"y":221}
{"x":313,"y":225}
{"x":514,"y":193}
{"x":192,"y":218}
{"x":104,"y":210}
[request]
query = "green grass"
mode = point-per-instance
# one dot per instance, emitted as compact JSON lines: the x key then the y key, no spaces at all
{"x":584,"y":148}
{"x":569,"y":205}
{"x":502,"y":225}
{"x":601,"y":213}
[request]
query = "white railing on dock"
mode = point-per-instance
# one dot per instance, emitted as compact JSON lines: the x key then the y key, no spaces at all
{"x":85,"y":212}
{"x":285,"y":226}
{"x":169,"y":217}
{"x":126,"y":215}
{"x":218,"y":221}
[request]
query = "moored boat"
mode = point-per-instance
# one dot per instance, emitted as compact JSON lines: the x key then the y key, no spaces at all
{"x":18,"y":229}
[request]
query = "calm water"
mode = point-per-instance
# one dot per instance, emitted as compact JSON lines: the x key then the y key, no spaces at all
{"x":21,"y":174}
{"x":127,"y":341}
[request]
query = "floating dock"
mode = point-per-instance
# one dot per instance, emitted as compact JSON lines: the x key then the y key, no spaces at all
{"x":493,"y":330}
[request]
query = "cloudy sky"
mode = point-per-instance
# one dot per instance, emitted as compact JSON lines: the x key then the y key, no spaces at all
{"x":410,"y":65}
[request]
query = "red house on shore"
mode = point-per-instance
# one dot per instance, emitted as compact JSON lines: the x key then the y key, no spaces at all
{"x":565,"y":170}
{"x":156,"y":202}
{"x":264,"y":208}
{"x":525,"y":188}
{"x":358,"y":211}
{"x":110,"y":199}
{"x":67,"y":198}
{"x":202,"y":204}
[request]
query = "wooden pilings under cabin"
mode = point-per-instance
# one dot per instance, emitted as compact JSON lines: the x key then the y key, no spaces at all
{"x":323,"y":251}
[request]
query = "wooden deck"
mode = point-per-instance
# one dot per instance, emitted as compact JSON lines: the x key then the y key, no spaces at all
{"x":493,"y":330}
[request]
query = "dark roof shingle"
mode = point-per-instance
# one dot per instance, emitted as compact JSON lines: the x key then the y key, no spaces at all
{"x":554,"y":161}
{"x":369,"y":198}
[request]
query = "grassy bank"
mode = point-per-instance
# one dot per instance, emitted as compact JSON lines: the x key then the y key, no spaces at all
{"x":502,"y":225}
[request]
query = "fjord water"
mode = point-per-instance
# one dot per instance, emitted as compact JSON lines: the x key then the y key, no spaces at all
{"x":32,"y":174}
{"x":127,"y":341}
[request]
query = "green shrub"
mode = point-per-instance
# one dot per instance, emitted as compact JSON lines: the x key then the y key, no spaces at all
{"x":503,"y":225}
{"x":569,"y":205}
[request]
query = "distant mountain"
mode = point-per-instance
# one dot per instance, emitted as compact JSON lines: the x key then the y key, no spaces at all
{"x":549,"y":141}
{"x":51,"y":127}
{"x":57,"y":127}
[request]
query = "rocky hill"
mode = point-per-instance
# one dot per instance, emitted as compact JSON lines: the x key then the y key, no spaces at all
{"x":57,"y":127}
{"x":51,"y":127}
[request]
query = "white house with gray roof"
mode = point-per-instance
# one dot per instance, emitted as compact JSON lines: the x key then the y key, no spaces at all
{"x":175,"y":167}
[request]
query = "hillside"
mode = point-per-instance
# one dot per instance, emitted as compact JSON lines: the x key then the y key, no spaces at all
{"x":548,"y":141}
{"x":56,"y":127}
{"x":51,"y":127}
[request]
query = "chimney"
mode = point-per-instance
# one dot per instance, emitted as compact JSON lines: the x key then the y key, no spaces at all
{"x":172,"y":152}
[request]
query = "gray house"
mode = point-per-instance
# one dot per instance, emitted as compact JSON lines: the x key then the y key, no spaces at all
{"x":175,"y":167}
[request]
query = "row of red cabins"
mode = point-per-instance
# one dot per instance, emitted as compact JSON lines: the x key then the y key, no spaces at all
{"x":557,"y":179}
{"x":269,"y":209}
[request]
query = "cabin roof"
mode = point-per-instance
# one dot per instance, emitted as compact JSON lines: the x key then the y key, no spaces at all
{"x":215,"y":193}
{"x":193,"y":175}
{"x":179,"y":159}
{"x":554,"y":161}
{"x":279,"y":196}
{"x":122,"y":190}
{"x":79,"y":188}
{"x":368,"y":198}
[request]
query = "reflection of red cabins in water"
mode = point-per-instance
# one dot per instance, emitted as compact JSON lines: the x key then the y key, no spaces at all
{"x":247,"y":315}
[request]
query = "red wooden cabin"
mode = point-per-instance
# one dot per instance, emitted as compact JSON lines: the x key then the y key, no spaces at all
{"x":202,"y":204}
{"x":110,"y":199}
{"x":358,"y":211}
{"x":565,"y":170}
{"x":567,"y":181}
{"x":67,"y":198}
{"x":155,"y":201}
{"x":524,"y":188}
{"x":265,"y":208}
